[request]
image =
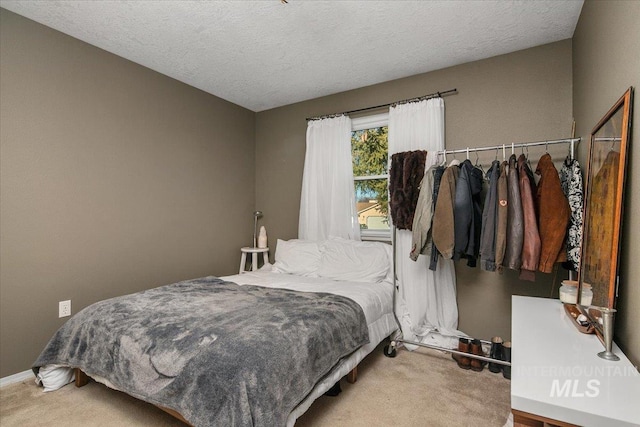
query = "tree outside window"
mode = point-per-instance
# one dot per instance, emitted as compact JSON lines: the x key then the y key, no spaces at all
{"x":369,"y":150}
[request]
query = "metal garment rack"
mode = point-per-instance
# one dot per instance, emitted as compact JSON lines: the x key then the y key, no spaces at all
{"x":513,"y":146}
{"x":390,"y":350}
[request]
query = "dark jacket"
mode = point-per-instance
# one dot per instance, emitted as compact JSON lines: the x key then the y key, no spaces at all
{"x":553,"y":217}
{"x":515,"y":219}
{"x":437,"y":178}
{"x":531,"y":242}
{"x":468,"y":213}
{"x":490,"y":220}
{"x":503,"y":207}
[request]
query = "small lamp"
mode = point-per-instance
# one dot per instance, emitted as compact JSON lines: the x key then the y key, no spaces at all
{"x":256,"y":215}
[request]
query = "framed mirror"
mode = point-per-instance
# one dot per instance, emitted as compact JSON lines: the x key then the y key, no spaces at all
{"x":605,"y":179}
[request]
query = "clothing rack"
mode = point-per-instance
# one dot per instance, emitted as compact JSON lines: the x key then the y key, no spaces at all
{"x":513,"y":146}
{"x":390,"y":350}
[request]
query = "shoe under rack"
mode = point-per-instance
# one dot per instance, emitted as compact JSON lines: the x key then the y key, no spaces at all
{"x":390,"y":350}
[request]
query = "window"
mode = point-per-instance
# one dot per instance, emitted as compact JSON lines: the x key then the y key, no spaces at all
{"x":370,"y":153}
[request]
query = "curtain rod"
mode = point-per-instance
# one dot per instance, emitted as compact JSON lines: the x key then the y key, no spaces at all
{"x":404,"y":101}
{"x":513,"y":146}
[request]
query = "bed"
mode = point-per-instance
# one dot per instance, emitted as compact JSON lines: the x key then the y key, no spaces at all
{"x":250,"y":349}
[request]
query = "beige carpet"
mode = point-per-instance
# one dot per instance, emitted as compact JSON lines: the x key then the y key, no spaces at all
{"x":422,"y":388}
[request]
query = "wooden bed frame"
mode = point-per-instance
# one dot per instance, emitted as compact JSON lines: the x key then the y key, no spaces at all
{"x":82,"y":379}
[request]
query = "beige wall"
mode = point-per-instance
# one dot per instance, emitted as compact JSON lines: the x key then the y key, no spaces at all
{"x":114,"y":179}
{"x":523,"y":96}
{"x":605,"y":63}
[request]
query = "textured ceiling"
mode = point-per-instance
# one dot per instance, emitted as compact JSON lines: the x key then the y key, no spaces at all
{"x":265,"y":54}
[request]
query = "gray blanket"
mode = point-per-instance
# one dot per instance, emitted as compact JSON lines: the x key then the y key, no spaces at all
{"x":218,"y":353}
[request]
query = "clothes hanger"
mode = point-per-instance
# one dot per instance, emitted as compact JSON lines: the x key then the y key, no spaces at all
{"x":522,"y":153}
{"x":569,"y":159}
{"x":478,"y":164}
{"x":444,"y":158}
{"x":455,"y":161}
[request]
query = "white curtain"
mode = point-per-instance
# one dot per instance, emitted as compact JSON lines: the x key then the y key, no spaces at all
{"x":426,"y":300}
{"x":328,"y":201}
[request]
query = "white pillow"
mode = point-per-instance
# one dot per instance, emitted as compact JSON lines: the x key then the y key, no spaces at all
{"x":53,"y":377}
{"x":301,"y":257}
{"x":355,"y":261}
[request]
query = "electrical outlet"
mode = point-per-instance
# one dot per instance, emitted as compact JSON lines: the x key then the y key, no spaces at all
{"x":64,"y":308}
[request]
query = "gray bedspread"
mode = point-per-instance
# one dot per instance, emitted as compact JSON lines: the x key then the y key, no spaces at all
{"x":218,"y":353}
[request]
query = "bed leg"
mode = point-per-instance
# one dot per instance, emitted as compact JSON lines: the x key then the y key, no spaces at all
{"x":352,"y":376}
{"x":81,"y":378}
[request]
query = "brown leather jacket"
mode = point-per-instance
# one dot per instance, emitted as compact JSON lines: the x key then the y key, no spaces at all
{"x":531,"y":243}
{"x":554,"y":213}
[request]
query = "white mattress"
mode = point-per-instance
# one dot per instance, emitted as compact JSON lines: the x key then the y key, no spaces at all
{"x":376,"y":300}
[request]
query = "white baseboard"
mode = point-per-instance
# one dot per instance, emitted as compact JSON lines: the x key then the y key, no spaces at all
{"x":16,"y":378}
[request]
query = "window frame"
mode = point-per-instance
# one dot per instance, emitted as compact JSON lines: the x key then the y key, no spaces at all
{"x":369,"y":122}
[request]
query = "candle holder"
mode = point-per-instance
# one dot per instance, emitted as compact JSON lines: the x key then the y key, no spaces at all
{"x":607,"y":332}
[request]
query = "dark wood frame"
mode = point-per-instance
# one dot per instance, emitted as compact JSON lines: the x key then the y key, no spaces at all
{"x":625,"y":102}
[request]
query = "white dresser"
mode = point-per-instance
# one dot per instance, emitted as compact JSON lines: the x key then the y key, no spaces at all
{"x":557,"y":376}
